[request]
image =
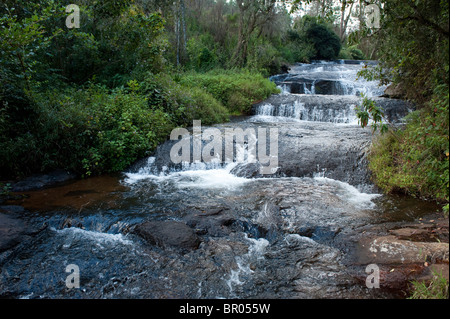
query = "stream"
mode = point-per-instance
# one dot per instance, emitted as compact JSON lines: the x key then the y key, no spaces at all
{"x":289,"y":234}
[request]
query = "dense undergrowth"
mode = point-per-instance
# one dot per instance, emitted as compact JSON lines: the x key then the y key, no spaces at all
{"x":93,"y":129}
{"x":415,"y":160}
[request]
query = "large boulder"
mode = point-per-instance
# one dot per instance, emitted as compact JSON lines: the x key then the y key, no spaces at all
{"x":168,"y":234}
{"x":395,"y":91}
{"x":212,"y":222}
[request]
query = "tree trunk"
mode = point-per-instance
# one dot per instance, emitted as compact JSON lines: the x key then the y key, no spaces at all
{"x":345,"y":19}
{"x":183,"y":18}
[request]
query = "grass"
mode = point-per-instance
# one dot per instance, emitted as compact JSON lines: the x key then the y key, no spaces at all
{"x":436,"y":289}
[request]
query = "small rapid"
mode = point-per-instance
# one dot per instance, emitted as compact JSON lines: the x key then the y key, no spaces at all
{"x":288,"y":234}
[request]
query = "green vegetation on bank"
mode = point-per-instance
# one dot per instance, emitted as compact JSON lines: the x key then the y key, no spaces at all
{"x":414,"y":54}
{"x":415,"y":159}
{"x":96,"y":99}
{"x":237,"y":91}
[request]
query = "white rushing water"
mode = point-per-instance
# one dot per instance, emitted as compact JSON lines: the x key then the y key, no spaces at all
{"x":350,"y":193}
{"x":73,"y":235}
{"x":255,"y":252}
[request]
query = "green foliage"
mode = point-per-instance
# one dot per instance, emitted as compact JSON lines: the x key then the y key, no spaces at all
{"x":356,"y":53}
{"x":5,"y":189}
{"x":351,"y":53}
{"x":88,"y":131}
{"x":416,"y":159}
{"x":203,"y":106}
{"x":184,"y":102}
{"x":437,"y":288}
{"x":265,"y":58}
{"x":370,"y":112}
{"x":413,"y":44}
{"x":201,"y":53}
{"x":297,"y":48}
{"x":326,"y":42}
{"x":236,"y":90}
{"x":311,"y":39}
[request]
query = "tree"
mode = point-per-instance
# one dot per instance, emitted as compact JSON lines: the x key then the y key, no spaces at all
{"x":414,"y":45}
{"x":345,"y":17}
{"x":253,"y":14}
{"x":326,"y":42}
{"x":180,"y":29}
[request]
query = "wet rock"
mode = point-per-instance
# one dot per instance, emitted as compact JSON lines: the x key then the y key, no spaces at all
{"x":168,"y":234}
{"x":320,"y":234}
{"x":213,"y":222}
{"x":252,"y":170}
{"x":40,"y":181}
{"x":285,"y":68}
{"x":395,"y":91}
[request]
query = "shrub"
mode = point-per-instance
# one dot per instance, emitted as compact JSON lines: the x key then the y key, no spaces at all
{"x":203,"y":106}
{"x":351,"y":53}
{"x":183,"y":102}
{"x":236,"y":90}
{"x":88,"y":131}
{"x":265,"y":58}
{"x":202,"y":56}
{"x":415,"y":160}
{"x":356,"y":53}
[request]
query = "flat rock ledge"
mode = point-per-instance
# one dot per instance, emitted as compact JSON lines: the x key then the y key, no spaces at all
{"x":13,"y":229}
{"x":391,"y":250}
{"x":166,"y":234}
{"x":415,"y":251}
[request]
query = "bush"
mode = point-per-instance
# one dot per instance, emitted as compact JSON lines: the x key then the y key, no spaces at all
{"x":183,"y":102}
{"x":203,"y":106}
{"x":202,"y":56}
{"x":345,"y":54}
{"x":351,"y":53}
{"x":415,"y":160}
{"x":356,"y":53}
{"x":89,"y":131}
{"x":236,"y":90}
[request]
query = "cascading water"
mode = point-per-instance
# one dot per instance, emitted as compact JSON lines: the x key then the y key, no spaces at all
{"x":284,"y":235}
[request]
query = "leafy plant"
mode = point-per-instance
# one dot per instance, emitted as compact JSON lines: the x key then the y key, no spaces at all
{"x":368,"y":112}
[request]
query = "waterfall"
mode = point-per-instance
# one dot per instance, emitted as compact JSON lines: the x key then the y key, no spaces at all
{"x":320,"y":92}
